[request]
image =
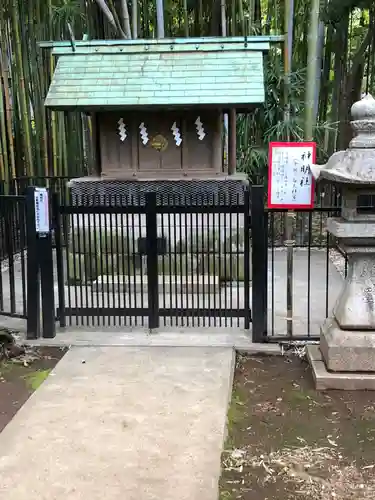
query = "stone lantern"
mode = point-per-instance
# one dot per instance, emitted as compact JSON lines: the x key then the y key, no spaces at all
{"x":345,"y":358}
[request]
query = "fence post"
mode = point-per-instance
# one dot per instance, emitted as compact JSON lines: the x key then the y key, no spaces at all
{"x":47,"y":278}
{"x":33,"y":276}
{"x":247,"y":216}
{"x":259,"y":236}
{"x":152,"y":261}
{"x":56,"y":224}
{"x":10,"y":225}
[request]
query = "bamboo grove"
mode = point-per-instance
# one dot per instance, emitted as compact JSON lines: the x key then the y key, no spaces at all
{"x":37,"y":142}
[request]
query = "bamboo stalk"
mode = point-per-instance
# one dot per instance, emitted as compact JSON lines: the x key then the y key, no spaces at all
{"x":22,"y":95}
{"x":4,"y":173}
{"x":186,"y":19}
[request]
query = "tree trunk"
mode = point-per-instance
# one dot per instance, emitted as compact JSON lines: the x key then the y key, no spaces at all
{"x":109,"y":16}
{"x":160,"y":18}
{"x":126,"y":20}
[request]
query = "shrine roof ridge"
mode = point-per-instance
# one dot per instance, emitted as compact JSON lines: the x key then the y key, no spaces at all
{"x":204,"y":44}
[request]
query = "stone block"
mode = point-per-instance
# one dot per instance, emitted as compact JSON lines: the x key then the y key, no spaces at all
{"x":176,"y":264}
{"x":96,"y":241}
{"x":347,"y":351}
{"x":139,"y":284}
{"x":326,"y":380}
{"x":81,"y":269}
{"x":229,"y":267}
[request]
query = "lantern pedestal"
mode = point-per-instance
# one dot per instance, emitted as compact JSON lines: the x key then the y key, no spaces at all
{"x":345,"y":358}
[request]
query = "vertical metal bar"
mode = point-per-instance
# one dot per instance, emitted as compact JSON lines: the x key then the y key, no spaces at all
{"x":187,"y":306}
{"x":189,"y":250}
{"x":107,"y":266}
{"x":200,"y":261}
{"x":238,"y":214}
{"x":272,"y":224}
{"x":33,"y":275}
{"x":259,"y":264}
{"x":215,"y":203}
{"x":9,"y":227}
{"x":99,"y":238}
{"x":220,"y":270}
{"x":75,"y":255}
{"x":152,"y":261}
{"x":309,"y":275}
{"x":225,"y":266}
{"x":163,"y":257}
{"x":48,"y":295}
{"x":131,"y":261}
{"x":87,"y":265}
{"x":112,"y":262}
{"x":92,"y":270}
{"x":81,"y":265}
{"x":171,"y":302}
{"x":231,"y":265}
{"x":210,"y":257}
{"x":289,"y":243}
{"x":327,"y":272}
{"x":119,"y":265}
{"x":23,"y":243}
{"x":246,"y":254}
{"x":66,"y":224}
{"x":59,"y":259}
{"x":206,"y":259}
{"x":180,"y":308}
{"x":98,"y":267}
{"x":134,"y":294}
{"x":2,"y":254}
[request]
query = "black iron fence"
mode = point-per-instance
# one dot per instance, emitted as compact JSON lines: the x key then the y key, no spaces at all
{"x":161,"y":261}
{"x":167,"y":262}
{"x":318,"y":269}
{"x":13,"y":254}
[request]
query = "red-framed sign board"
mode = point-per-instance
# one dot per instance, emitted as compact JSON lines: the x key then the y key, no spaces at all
{"x":290,"y":182}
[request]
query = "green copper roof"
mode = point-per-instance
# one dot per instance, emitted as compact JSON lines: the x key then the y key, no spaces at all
{"x":162,"y":73}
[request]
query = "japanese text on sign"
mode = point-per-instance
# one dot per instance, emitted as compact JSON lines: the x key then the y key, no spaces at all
{"x":290,"y":182}
{"x":41,"y":210}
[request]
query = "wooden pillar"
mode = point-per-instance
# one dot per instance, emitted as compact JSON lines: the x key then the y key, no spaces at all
{"x":184,"y":147}
{"x":96,"y":150}
{"x":217,"y":151}
{"x":134,"y":145}
{"x":232,"y":146}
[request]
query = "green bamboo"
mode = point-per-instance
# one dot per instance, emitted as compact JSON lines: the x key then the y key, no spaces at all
{"x":22,"y":96}
{"x":311,"y":70}
{"x":4,"y":172}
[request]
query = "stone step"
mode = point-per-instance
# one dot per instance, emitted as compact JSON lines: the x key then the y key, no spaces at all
{"x":177,"y":284}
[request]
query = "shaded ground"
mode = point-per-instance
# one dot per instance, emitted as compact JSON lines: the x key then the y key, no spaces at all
{"x":19,"y":379}
{"x":287,"y":441}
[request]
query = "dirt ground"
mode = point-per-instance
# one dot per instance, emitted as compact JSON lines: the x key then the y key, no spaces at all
{"x":286,"y":441}
{"x":19,"y":378}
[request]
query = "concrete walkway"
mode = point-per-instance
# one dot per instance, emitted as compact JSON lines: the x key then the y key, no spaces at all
{"x":121,"y":423}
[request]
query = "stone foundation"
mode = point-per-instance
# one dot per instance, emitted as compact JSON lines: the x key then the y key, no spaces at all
{"x":327,"y":380}
{"x":347,"y":351}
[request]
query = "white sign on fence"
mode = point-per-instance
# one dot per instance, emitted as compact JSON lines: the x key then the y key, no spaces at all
{"x":290,"y":182}
{"x":42,"y":224}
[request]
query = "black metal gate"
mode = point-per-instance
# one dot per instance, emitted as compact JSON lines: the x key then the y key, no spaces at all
{"x":156,"y":261}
